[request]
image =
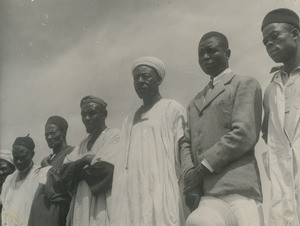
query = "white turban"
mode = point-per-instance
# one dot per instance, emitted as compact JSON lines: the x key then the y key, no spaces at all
{"x":153,"y":62}
{"x":6,"y":155}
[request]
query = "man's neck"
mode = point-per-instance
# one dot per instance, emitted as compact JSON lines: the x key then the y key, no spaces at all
{"x":94,"y":136}
{"x":292,"y":63}
{"x":149,"y":102}
{"x":219,"y":76}
{"x":59,"y":148}
{"x":22,"y":174}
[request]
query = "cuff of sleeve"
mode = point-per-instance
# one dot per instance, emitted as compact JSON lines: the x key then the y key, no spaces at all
{"x":187,"y":171}
{"x":207,"y":165}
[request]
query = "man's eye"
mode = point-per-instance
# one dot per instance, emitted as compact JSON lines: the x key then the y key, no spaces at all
{"x":211,"y":51}
{"x":274,"y":36}
{"x":93,"y":113}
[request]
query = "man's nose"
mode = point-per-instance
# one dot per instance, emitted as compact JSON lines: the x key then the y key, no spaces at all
{"x":140,"y":79}
{"x":206,"y":56}
{"x":86,"y":118}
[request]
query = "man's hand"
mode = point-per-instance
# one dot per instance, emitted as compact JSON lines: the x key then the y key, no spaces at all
{"x":193,"y":179}
{"x":87,"y":159}
{"x":192,"y":200}
{"x":45,"y":161}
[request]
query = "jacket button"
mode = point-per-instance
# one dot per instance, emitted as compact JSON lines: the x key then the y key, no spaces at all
{"x":201,"y":114}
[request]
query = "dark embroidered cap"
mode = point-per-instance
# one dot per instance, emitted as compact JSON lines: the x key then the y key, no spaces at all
{"x":281,"y":15}
{"x":25,"y":141}
{"x":58,"y":121}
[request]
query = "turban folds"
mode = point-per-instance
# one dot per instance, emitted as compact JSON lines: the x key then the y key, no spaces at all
{"x":92,"y":99}
{"x":25,"y":141}
{"x":7,"y":156}
{"x":58,"y":121}
{"x":281,"y":15}
{"x":152,"y":62}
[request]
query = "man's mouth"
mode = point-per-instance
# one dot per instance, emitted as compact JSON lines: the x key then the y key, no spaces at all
{"x":272,"y":50}
{"x":50,"y":142}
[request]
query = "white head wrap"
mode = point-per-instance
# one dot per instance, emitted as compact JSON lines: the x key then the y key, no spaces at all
{"x":6,"y":155}
{"x":153,"y":62}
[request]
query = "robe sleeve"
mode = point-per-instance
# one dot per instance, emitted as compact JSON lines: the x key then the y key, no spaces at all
{"x":179,"y":123}
{"x":99,"y":177}
{"x":63,"y":179}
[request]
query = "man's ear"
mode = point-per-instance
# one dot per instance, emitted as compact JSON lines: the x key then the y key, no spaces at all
{"x":295,"y":33}
{"x":159,"y":80}
{"x":32,"y":154}
{"x":105,"y":114}
{"x":228,"y":53}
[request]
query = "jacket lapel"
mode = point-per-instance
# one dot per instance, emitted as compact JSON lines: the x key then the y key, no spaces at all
{"x":199,"y":99}
{"x":204,"y":98}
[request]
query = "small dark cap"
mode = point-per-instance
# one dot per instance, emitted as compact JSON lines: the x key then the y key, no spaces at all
{"x":281,"y":15}
{"x":92,"y":99}
{"x":25,"y":141}
{"x":58,"y":121}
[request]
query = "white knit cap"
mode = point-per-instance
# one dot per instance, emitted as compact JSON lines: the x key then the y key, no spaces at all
{"x":153,"y":62}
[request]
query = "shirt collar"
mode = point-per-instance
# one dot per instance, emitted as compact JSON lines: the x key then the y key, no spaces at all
{"x":219,"y":77}
{"x":280,"y":69}
{"x":279,"y":73}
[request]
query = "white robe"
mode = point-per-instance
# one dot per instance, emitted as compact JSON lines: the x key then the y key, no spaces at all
{"x":17,"y":197}
{"x":284,"y":149}
{"x":145,"y":187}
{"x":85,"y":208}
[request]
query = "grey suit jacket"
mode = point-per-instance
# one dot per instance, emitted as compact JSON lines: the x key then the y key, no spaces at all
{"x":223,"y":128}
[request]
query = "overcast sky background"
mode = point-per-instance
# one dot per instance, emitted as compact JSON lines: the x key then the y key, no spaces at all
{"x":54,"y":52}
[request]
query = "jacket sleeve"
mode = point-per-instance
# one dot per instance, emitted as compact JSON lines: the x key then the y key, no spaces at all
{"x":186,"y":158}
{"x":245,"y":126}
{"x":265,"y":123}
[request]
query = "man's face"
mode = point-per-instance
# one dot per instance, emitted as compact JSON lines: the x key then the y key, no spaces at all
{"x":92,"y":117}
{"x":146,"y":81}
{"x":279,"y":42}
{"x":212,"y":56}
{"x":22,"y":157}
{"x":54,"y":136}
{"x":5,"y":170}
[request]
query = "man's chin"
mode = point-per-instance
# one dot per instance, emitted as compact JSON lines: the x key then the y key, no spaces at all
{"x":50,"y":146}
{"x":21,"y":169}
{"x":89,"y":131}
{"x":141,"y":95}
{"x":276,"y":58}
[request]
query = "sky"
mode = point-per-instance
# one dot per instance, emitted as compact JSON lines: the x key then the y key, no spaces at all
{"x":54,"y":52}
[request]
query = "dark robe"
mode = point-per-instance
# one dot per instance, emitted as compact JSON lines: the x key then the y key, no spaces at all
{"x":90,"y":184}
{"x":51,"y":210}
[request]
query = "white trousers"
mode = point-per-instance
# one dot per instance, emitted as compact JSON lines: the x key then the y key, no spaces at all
{"x":230,"y":210}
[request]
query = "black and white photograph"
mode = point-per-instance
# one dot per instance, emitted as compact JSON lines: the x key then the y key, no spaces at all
{"x":150,"y":113}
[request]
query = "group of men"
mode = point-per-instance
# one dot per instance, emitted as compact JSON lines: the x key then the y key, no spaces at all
{"x":167,"y":159}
